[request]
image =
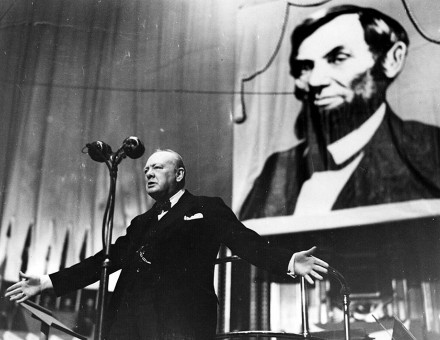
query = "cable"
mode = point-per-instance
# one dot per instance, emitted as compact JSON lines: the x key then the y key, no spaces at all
{"x":309,"y":4}
{"x":416,"y":24}
{"x":7,"y":11}
{"x":271,"y":59}
{"x":243,"y":117}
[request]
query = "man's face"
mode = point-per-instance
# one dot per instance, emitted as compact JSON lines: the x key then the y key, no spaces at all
{"x":333,"y":65}
{"x":161,"y":175}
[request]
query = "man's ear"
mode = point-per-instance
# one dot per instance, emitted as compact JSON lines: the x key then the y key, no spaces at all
{"x":394,"y":60}
{"x":180,"y":174}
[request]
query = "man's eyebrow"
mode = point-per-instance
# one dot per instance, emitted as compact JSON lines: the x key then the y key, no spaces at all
{"x":335,"y":50}
{"x":298,"y":65}
{"x":153,"y":165}
{"x":149,"y":166}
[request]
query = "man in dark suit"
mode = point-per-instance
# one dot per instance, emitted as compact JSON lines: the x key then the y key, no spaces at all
{"x":165,"y":289}
{"x":354,"y":150}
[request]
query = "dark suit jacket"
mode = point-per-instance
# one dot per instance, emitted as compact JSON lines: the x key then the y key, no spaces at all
{"x":401,"y":163}
{"x":182,"y":253}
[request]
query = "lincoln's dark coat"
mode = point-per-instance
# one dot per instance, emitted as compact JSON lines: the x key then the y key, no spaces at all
{"x":400,"y":163}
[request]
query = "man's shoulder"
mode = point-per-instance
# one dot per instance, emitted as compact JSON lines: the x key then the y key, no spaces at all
{"x":202,"y":199}
{"x":406,"y":125}
{"x":209,"y":206}
{"x":414,"y":136}
{"x":141,"y":218}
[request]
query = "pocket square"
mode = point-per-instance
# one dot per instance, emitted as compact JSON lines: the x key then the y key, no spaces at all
{"x":193,"y":217}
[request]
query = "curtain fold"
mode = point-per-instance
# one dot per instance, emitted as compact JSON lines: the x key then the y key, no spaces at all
{"x":72,"y":72}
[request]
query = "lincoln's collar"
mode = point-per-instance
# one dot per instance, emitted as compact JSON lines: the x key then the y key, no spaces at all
{"x":349,"y":145}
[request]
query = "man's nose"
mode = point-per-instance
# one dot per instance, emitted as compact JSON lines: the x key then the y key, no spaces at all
{"x":149,"y":174}
{"x":319,"y":75}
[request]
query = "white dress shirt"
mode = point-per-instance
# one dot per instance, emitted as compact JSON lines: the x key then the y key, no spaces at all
{"x":173,"y":200}
{"x":319,"y":192}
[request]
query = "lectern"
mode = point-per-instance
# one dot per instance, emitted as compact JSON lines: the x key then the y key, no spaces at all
{"x":47,"y":320}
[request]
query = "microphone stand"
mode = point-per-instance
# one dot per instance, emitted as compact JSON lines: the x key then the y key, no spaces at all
{"x":107,"y":228}
{"x":345,"y":291}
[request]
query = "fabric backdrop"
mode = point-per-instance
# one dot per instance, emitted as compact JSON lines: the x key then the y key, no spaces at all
{"x":72,"y":72}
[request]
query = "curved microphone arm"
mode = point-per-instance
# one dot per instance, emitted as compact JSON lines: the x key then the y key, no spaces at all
{"x":345,"y":291}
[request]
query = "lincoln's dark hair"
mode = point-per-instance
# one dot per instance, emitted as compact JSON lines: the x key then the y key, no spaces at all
{"x":381,"y":31}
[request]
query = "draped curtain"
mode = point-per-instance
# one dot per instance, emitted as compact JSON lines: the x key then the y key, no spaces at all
{"x":72,"y":72}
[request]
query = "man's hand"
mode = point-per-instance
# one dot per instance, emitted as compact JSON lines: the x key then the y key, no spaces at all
{"x":308,"y":266}
{"x":27,"y":287}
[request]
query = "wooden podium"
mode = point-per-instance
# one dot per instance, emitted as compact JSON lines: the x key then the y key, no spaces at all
{"x":47,"y":320}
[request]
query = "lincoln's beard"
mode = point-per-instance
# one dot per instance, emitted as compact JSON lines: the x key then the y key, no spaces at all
{"x":369,"y":89}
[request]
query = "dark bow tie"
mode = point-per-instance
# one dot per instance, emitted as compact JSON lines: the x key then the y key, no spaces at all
{"x":161,"y":207}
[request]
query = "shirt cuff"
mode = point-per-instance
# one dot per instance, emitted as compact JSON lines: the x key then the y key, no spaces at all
{"x":46,"y":282}
{"x":291,"y":267}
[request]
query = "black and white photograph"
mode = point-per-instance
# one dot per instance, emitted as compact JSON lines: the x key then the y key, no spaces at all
{"x":220,"y":169}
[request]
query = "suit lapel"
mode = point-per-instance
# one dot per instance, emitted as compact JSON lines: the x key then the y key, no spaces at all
{"x":147,"y":223}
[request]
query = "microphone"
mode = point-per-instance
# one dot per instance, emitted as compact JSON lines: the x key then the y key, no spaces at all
{"x":99,"y":151}
{"x":133,"y":147}
{"x":102,"y":152}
